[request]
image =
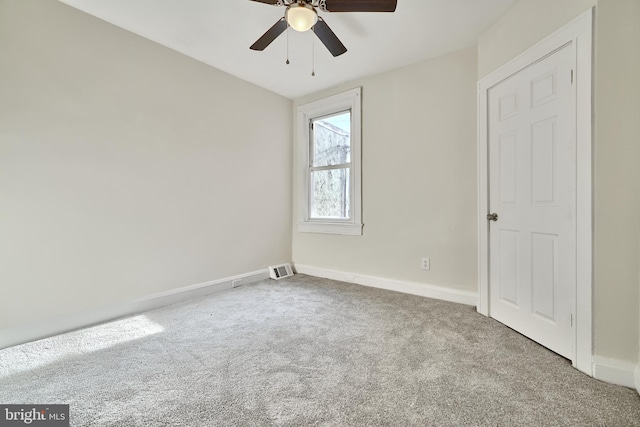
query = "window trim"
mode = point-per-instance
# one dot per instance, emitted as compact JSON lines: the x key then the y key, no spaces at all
{"x":350,"y":100}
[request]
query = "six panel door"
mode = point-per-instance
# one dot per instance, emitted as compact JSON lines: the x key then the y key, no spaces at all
{"x":532,"y":189}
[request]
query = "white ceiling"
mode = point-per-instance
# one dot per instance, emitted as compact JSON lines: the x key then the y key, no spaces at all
{"x":219,"y":33}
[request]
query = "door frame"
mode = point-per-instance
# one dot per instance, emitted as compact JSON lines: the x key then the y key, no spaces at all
{"x":577,"y":33}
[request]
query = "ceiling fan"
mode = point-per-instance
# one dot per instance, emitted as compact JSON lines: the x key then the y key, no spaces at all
{"x":302,"y":15}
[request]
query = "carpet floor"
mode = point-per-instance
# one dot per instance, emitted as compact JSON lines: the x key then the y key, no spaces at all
{"x":308,"y":351}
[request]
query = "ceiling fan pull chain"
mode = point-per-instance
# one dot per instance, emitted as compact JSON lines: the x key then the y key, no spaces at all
{"x":313,"y":53}
{"x":287,"y":45}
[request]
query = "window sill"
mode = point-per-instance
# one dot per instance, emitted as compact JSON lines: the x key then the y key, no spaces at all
{"x":330,"y":228}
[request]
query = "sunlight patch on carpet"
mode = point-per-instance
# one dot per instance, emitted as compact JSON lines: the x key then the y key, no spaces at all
{"x":44,"y":352}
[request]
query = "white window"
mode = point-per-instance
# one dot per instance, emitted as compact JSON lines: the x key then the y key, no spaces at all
{"x":329,"y":143}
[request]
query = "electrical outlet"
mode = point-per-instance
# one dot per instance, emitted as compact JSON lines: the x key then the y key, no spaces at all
{"x":235,"y":283}
{"x":426,"y":264}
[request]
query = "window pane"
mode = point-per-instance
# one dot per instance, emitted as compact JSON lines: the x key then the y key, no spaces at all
{"x":331,"y":140}
{"x":330,"y":194}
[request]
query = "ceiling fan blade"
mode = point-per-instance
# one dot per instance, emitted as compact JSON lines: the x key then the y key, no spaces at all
{"x":328,"y":38}
{"x":361,"y":5}
{"x":271,"y":34}
{"x":274,"y":2}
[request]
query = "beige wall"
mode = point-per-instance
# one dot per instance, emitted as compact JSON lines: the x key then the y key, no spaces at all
{"x":127,"y":169}
{"x":617,"y":178}
{"x":616,"y":148}
{"x":419,"y":178}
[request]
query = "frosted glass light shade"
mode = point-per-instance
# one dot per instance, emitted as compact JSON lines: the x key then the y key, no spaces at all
{"x":301,"y":16}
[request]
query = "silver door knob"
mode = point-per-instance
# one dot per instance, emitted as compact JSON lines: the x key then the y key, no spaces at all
{"x":492,"y":217}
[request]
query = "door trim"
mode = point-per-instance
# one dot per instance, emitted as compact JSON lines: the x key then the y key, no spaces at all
{"x":577,"y":33}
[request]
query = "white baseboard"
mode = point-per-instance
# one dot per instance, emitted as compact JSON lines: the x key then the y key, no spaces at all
{"x":414,"y":288}
{"x":46,"y":328}
{"x":615,"y":371}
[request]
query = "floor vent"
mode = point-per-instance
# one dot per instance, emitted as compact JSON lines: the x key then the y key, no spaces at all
{"x":278,"y":272}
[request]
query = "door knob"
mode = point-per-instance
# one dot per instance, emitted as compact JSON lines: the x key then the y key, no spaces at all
{"x":492,"y":217}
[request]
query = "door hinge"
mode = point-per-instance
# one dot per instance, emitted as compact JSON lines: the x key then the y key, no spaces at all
{"x":571,"y":76}
{"x":571,"y":319}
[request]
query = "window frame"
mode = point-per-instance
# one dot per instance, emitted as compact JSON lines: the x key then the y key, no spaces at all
{"x":349,"y":100}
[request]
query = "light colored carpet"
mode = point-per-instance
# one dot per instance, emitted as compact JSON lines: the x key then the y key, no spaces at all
{"x":308,"y":351}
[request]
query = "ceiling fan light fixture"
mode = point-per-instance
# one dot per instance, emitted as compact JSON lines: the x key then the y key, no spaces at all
{"x":301,"y":16}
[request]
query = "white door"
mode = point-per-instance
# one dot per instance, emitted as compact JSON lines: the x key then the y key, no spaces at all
{"x":532,"y":189}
